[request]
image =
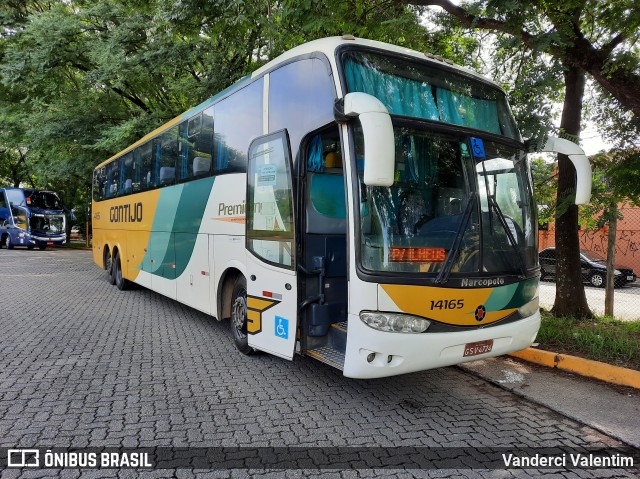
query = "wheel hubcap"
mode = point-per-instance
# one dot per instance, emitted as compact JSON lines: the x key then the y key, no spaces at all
{"x":597,"y":280}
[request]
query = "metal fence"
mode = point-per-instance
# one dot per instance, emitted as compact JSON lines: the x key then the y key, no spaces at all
{"x":627,"y":257}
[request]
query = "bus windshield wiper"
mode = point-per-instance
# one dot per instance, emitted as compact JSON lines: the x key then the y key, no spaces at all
{"x":493,"y":204}
{"x":443,"y":276}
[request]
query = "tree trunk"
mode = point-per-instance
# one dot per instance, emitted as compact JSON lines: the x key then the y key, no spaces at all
{"x":611,"y":258}
{"x":570,"y":297}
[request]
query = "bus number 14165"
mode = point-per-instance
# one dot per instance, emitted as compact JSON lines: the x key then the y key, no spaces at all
{"x":447,"y":304}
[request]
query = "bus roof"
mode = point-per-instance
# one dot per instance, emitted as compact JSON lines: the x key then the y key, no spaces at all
{"x":324,"y":45}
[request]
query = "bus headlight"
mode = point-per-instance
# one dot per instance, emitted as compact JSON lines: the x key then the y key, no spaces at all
{"x":394,"y":323}
{"x":530,"y":308}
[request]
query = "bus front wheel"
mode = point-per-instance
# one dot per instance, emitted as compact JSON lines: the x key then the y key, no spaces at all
{"x":238,"y":320}
{"x":6,"y":242}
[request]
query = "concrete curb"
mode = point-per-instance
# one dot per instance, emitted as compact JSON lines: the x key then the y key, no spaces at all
{"x":584,"y":367}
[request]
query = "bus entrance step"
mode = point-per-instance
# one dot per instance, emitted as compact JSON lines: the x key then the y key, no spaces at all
{"x":328,"y":355}
{"x":340,"y":326}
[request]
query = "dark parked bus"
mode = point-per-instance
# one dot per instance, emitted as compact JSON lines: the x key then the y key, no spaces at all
{"x":31,"y":218}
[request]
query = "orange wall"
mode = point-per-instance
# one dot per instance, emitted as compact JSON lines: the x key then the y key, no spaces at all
{"x":627,"y":239}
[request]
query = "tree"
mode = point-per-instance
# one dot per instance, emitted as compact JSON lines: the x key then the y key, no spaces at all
{"x":614,"y":184}
{"x":583,"y":37}
{"x":82,"y":79}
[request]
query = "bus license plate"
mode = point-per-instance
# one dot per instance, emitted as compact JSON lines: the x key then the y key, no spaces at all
{"x":479,"y":347}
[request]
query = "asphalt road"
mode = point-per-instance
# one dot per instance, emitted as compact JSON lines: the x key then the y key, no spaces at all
{"x":85,"y":365}
{"x":626,"y":300}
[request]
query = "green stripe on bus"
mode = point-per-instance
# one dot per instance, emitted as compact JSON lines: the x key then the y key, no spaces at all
{"x":190,"y":213}
{"x":185,"y":205}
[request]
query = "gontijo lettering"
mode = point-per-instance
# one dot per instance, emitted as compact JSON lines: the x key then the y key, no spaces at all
{"x":131,"y":213}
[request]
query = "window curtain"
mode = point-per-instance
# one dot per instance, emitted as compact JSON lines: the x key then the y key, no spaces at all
{"x":401,"y":96}
{"x":467,"y":111}
{"x":407,"y":97}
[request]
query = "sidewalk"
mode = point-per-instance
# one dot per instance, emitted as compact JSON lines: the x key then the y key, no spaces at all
{"x":613,"y":410}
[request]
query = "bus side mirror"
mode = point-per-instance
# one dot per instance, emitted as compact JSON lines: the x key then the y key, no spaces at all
{"x":580,"y":162}
{"x":379,"y":143}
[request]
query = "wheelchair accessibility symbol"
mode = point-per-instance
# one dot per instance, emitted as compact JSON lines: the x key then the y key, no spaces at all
{"x":282,"y":327}
{"x":477,"y":146}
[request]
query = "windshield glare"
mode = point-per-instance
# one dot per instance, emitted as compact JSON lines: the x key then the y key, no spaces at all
{"x":413,"y":225}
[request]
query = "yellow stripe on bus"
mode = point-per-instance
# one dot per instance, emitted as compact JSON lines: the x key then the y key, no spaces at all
{"x":131,"y":237}
{"x":447,"y":305}
{"x":259,"y":304}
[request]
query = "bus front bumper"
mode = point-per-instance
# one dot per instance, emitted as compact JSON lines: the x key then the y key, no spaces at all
{"x":39,"y":240}
{"x":373,"y":354}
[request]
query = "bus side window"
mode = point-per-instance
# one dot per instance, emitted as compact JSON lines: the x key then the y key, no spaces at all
{"x":301,"y":97}
{"x":238,"y":122}
{"x":203,"y":147}
{"x":196,"y":145}
{"x":113,"y":179}
{"x":145,"y":172}
{"x":188,"y":131}
{"x":127,"y":174}
{"x":19,"y":217}
{"x":98,"y":184}
{"x":167,"y":157}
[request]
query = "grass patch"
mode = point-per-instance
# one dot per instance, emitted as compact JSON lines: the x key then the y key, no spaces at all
{"x":603,"y":339}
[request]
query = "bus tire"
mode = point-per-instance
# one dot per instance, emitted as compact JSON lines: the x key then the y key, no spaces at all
{"x":121,"y":283}
{"x":108,"y":266}
{"x":6,"y":241}
{"x":238,"y":319}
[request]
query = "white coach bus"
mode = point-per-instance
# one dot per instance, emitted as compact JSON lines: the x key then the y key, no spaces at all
{"x":353,"y":201}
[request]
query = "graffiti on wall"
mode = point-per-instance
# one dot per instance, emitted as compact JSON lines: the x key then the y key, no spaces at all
{"x":627,"y":242}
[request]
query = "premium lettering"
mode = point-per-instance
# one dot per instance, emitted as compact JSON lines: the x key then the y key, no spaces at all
{"x":231,"y":210}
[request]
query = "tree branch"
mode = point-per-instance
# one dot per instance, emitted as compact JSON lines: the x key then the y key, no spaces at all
{"x":474,"y":21}
{"x":613,"y":43}
{"x":581,"y":53}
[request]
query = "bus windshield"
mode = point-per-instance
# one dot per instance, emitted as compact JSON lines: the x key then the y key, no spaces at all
{"x":421,"y":90}
{"x":45,"y":200}
{"x":444,"y":200}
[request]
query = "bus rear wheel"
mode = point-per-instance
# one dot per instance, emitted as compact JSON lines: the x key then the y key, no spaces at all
{"x":121,"y":283}
{"x":238,"y":320}
{"x":108,"y":266}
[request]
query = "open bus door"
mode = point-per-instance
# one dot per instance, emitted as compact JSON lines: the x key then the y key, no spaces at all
{"x":272,"y":296}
